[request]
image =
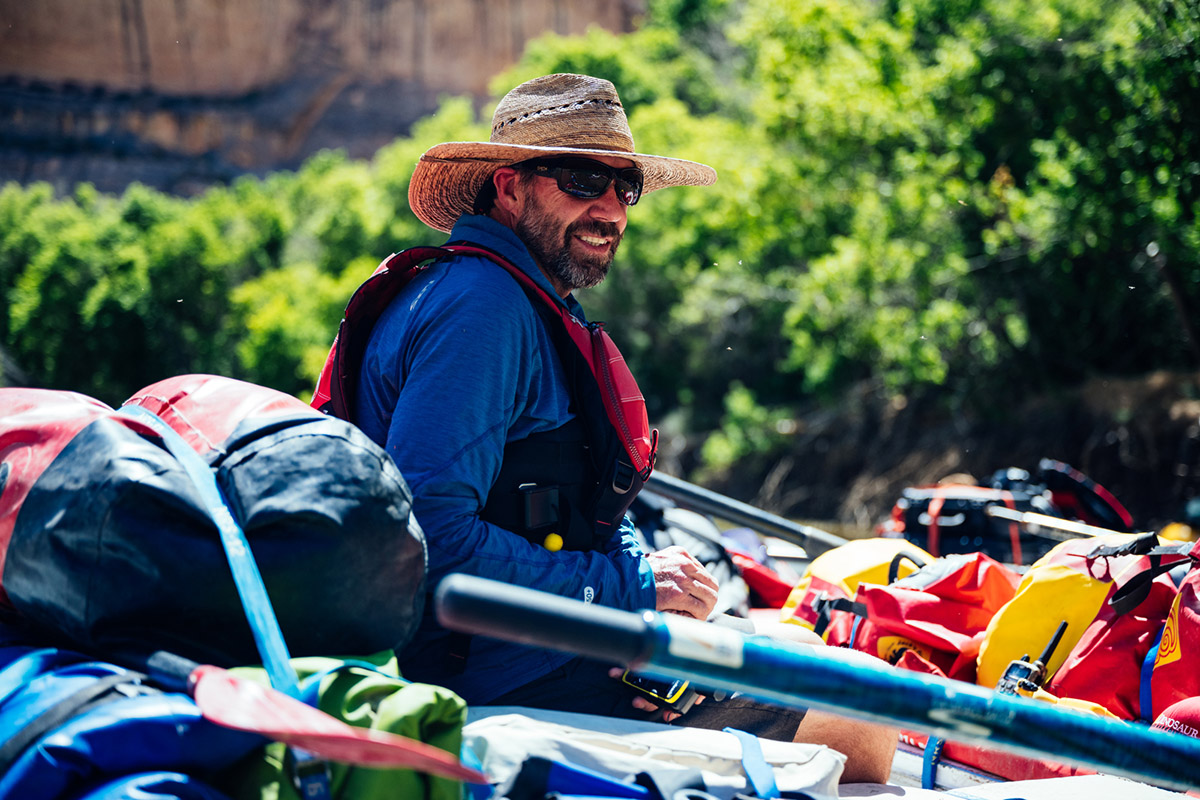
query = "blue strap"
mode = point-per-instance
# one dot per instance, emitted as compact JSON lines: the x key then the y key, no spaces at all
{"x":758,"y":771}
{"x":854,"y":631}
{"x":263,"y":624}
{"x":929,"y":764}
{"x":310,"y":687}
{"x":1145,"y":697}
{"x":474,"y":791}
{"x":310,"y":775}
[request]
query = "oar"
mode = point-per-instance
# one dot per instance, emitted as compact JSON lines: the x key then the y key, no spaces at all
{"x":793,"y":674}
{"x":1033,"y":520}
{"x":235,"y":702}
{"x":700,"y":499}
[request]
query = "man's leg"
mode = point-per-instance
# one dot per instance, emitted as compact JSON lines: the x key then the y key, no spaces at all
{"x":869,"y":749}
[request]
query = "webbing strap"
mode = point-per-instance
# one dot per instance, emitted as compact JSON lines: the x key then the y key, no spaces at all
{"x":1014,"y":530}
{"x":310,"y":687}
{"x":825,"y":606}
{"x":1145,"y":697}
{"x":310,"y":775}
{"x":854,"y":631}
{"x":758,"y":771}
{"x":933,"y":530}
{"x":894,"y":567}
{"x":1142,"y":544}
{"x":263,"y":624}
{"x":1137,"y":588}
{"x":77,"y":702}
{"x":930,"y":762}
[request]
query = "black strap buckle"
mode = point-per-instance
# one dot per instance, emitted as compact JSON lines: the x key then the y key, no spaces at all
{"x":310,"y":775}
{"x":623,"y":477}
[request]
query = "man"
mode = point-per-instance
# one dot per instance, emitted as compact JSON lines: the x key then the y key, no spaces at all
{"x":467,"y":382}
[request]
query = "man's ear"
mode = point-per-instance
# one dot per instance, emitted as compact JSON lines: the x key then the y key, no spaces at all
{"x":509,"y":195}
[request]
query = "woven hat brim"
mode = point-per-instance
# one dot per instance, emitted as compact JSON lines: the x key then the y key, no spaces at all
{"x":448,"y":177}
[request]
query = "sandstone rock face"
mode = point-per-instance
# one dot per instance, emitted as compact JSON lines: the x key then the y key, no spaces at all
{"x":181,"y":93}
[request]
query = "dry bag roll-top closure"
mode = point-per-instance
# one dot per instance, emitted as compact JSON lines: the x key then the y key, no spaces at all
{"x":616,"y":441}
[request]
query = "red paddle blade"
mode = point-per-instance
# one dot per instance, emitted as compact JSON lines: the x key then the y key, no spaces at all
{"x":242,"y":704}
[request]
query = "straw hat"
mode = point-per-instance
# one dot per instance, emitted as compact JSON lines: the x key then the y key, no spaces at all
{"x":547,"y":116}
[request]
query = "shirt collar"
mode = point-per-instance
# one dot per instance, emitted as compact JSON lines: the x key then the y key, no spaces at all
{"x":489,"y":233}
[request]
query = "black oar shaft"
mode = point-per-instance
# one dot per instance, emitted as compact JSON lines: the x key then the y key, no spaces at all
{"x":697,"y":498}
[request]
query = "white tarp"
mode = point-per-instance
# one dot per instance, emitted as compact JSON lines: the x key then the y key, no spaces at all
{"x":503,"y":737}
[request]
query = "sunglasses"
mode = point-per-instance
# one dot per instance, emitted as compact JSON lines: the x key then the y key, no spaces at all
{"x":581,"y":177}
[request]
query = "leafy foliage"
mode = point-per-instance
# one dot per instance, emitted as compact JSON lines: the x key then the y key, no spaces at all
{"x":104,"y":295}
{"x":960,"y":199}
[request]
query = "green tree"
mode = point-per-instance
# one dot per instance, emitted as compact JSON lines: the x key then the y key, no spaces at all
{"x":1080,"y":115}
{"x":956,"y":200}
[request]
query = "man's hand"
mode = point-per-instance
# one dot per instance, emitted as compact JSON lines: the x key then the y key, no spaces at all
{"x":643,"y":704}
{"x":682,"y":584}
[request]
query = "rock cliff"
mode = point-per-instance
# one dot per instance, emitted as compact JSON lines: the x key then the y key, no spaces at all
{"x":183,"y":93}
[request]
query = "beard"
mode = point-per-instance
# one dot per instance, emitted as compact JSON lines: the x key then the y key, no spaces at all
{"x":550,"y":244}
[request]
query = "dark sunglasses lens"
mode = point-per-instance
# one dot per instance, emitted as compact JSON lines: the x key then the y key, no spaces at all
{"x":629,"y":186}
{"x":580,"y":180}
{"x":587,"y":183}
{"x":583,"y":182}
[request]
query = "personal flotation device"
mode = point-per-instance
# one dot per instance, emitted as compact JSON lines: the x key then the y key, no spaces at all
{"x":829,"y":583}
{"x":565,"y":489}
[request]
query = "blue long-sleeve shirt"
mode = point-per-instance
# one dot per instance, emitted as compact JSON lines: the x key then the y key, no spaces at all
{"x":459,"y":365}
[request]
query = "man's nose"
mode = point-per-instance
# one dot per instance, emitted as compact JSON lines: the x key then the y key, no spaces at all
{"x":607,"y":207}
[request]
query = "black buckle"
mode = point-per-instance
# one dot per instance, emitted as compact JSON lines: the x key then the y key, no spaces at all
{"x":310,"y":775}
{"x":540,"y":505}
{"x":624,"y":473}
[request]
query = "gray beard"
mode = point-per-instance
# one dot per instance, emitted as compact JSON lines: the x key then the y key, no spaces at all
{"x":554,"y":255}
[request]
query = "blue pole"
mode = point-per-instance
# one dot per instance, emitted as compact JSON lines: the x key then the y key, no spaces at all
{"x":795,"y":674}
{"x":830,"y":679}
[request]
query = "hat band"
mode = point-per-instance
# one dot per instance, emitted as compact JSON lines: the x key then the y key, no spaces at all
{"x":612,"y":106}
{"x":585,"y":125}
{"x":574,"y":143}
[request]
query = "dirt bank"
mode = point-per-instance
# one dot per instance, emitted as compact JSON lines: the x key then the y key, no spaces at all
{"x":1140,"y":438}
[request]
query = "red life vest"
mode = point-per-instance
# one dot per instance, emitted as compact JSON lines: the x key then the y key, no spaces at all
{"x":617,"y":438}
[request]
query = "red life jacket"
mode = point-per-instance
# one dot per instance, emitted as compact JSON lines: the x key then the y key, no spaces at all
{"x":616,"y":446}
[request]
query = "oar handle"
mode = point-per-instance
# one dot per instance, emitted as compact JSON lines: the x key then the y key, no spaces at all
{"x":167,"y":670}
